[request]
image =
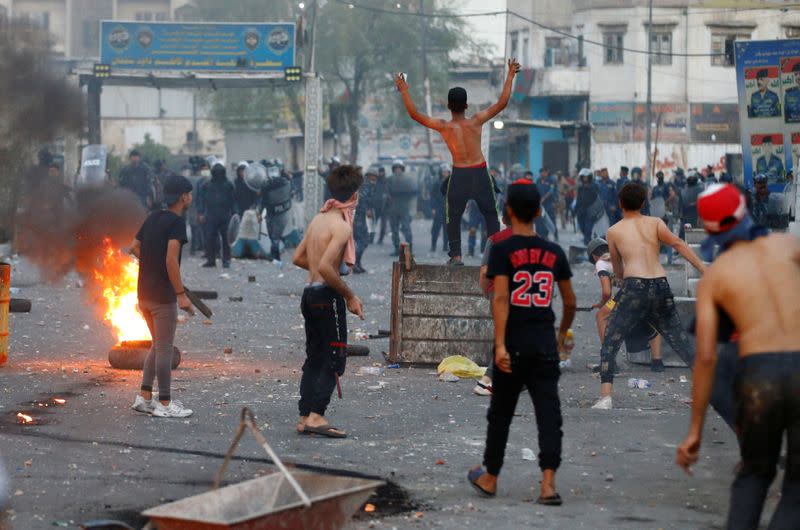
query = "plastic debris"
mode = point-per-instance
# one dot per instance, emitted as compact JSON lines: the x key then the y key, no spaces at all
{"x":527,"y":454}
{"x":609,"y":478}
{"x":377,"y":297}
{"x":684,"y":379}
{"x":370,"y":370}
{"x":638,"y":383}
{"x":393,"y":366}
{"x":360,"y":335}
{"x":461,"y":366}
{"x":449,"y":377}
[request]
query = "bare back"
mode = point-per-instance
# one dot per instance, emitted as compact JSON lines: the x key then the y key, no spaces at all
{"x":463,"y":139}
{"x":326,"y":231}
{"x":757,"y":284}
{"x":637,"y":243}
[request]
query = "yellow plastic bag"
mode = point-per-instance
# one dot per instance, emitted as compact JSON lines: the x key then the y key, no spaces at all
{"x":461,"y":366}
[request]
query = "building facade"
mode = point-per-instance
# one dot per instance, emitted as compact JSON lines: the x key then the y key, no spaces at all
{"x":694,"y":94}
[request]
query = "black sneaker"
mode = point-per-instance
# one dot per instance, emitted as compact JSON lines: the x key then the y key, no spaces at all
{"x":358,"y":269}
{"x":455,"y":263}
{"x":226,"y":264}
{"x":209,"y":265}
{"x":657,"y":365}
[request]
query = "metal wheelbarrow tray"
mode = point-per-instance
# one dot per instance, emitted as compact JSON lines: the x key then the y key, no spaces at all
{"x":268,"y":502}
{"x":283,"y":500}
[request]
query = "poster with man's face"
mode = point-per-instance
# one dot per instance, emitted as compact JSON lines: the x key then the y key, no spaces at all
{"x":762,"y":92}
{"x":790,"y":81}
{"x":768,"y":156}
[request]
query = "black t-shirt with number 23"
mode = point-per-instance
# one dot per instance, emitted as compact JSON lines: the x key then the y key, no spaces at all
{"x":534,"y":266}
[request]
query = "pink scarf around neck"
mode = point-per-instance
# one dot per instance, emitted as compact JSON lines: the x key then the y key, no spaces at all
{"x":348,"y":210}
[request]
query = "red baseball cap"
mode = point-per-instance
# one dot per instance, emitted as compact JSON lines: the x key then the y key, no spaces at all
{"x":721,"y":207}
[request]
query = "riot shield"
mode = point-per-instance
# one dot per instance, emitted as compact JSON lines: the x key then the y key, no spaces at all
{"x":93,"y":167}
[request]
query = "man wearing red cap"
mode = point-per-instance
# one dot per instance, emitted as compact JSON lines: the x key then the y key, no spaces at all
{"x":768,"y":376}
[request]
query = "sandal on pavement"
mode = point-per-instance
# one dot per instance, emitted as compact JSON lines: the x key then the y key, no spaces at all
{"x":473,"y":476}
{"x":552,"y":500}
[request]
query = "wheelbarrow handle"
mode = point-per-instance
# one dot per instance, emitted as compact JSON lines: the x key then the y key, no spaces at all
{"x":248,"y":419}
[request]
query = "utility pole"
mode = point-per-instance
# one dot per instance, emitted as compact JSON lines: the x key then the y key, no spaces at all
{"x":649,"y":119}
{"x":312,"y":189}
{"x":425,"y":81}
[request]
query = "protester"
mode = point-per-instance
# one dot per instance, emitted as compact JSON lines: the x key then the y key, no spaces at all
{"x":525,"y":268}
{"x":767,"y":385}
{"x":381,"y":203}
{"x":462,"y":135}
{"x":158,"y":246}
{"x":402,"y":190}
{"x":438,"y":207}
{"x":567,"y":188}
{"x":689,"y":196}
{"x":634,"y":245}
{"x":247,"y":244}
{"x":276,"y":196}
{"x":215,"y":211}
{"x":244,"y":196}
{"x":136,"y":177}
{"x":664,"y":202}
{"x":609,"y":191}
{"x":160,"y":174}
{"x":328,"y":242}
{"x":548,"y":190}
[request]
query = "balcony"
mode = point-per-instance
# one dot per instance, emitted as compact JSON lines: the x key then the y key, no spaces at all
{"x":560,"y":81}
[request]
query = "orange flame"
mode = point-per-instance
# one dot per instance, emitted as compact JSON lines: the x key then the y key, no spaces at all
{"x":24,"y":418}
{"x":118,"y":278}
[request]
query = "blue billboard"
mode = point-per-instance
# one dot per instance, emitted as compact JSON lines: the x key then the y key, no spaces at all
{"x":768,"y":80}
{"x":211,"y":47}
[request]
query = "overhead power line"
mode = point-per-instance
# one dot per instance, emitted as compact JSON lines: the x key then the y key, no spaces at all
{"x":508,"y":12}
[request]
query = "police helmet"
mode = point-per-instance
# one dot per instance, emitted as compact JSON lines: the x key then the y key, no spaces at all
{"x":398,"y":163}
{"x":595,"y":246}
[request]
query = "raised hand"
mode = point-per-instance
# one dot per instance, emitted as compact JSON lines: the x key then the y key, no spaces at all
{"x":513,"y":67}
{"x":400,"y":82}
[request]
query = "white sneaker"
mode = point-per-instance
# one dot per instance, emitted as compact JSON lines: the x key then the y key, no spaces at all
{"x":604,"y":403}
{"x":175,"y":409}
{"x":566,"y":363}
{"x":142,"y":405}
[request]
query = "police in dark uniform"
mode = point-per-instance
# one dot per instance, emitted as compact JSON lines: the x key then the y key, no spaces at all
{"x":791,"y":98}
{"x":366,"y":207}
{"x":772,"y":164}
{"x":764,"y":103}
{"x":760,"y":200}
{"x":277,"y":200}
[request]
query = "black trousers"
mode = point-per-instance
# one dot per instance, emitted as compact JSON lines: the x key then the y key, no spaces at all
{"x":438,"y":227}
{"x":768,"y":405}
{"x":325,"y":314}
{"x":216,"y":229}
{"x":465,"y":184}
{"x":539,"y":373}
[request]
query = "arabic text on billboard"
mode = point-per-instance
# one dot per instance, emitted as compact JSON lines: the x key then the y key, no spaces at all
{"x":715,"y":122}
{"x":611,"y":122}
{"x":255,"y":48}
{"x":670,"y":119}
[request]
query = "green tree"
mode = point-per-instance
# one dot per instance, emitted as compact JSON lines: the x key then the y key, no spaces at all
{"x":152,"y":150}
{"x":360,"y":49}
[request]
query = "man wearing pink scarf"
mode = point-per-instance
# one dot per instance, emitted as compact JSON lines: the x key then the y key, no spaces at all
{"x":326,"y":299}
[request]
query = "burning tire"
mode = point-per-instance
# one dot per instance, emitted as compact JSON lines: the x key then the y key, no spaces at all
{"x":130,"y":355}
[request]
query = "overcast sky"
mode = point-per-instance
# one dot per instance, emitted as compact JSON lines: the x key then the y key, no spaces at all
{"x":490,"y":29}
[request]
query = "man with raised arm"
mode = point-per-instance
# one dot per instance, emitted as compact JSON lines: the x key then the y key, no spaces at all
{"x":470,"y":178}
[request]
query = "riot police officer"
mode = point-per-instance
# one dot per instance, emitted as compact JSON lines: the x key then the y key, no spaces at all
{"x":277,"y":200}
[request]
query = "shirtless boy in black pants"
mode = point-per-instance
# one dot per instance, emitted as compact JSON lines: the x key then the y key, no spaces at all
{"x":765,"y":312}
{"x":325,"y":301}
{"x":525,"y":269}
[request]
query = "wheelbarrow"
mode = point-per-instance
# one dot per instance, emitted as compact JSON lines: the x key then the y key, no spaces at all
{"x":281,"y":500}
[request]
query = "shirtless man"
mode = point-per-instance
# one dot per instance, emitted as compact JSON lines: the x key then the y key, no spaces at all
{"x":327,"y":240}
{"x":634,"y":244}
{"x":768,"y":378}
{"x":470,"y":178}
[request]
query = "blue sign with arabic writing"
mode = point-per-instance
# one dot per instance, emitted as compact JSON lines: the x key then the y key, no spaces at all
{"x":217,"y":47}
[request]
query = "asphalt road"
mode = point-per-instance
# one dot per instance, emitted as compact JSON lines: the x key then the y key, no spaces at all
{"x":95,"y":458}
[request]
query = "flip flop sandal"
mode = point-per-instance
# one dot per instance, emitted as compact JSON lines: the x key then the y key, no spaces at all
{"x":324,"y":430}
{"x":473,"y":476}
{"x":553,"y":500}
{"x":482,"y":389}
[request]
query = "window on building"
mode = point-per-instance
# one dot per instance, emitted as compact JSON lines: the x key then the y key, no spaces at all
{"x":614,"y":42}
{"x":792,"y":32}
{"x":661,"y":47}
{"x":722,"y":46}
{"x":514,"y":37}
{"x":90,"y":34}
{"x":161,"y":17}
{"x":144,"y":16}
{"x":526,"y":49}
{"x":556,"y":52}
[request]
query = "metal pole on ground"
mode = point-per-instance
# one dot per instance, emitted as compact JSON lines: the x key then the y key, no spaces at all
{"x":649,"y":119}
{"x":5,"y":300}
{"x":312,"y":189}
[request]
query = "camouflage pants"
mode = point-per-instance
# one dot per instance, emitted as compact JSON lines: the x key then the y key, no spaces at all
{"x":649,"y":301}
